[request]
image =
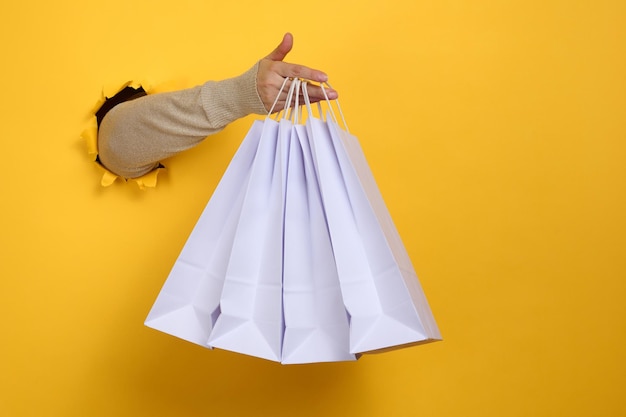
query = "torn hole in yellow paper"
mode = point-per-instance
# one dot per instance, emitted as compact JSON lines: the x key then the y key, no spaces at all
{"x":129,"y":90}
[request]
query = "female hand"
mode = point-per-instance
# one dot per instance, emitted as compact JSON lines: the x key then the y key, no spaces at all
{"x":273,"y":71}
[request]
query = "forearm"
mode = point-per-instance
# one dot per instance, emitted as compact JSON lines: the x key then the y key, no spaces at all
{"x":134,"y":136}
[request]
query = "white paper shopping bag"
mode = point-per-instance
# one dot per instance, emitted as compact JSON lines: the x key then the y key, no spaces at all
{"x":295,"y":258}
{"x":251,"y":317}
{"x":353,"y":162}
{"x":189,"y":302}
{"x":379,"y":286}
{"x":316,"y":322}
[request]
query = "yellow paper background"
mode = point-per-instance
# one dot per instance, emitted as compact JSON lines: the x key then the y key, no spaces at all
{"x":496,"y":131}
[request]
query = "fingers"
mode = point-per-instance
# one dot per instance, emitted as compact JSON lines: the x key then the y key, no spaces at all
{"x":273,"y":71}
{"x":287,"y":70}
{"x":282,"y":49}
{"x":316,"y":93}
{"x":299,"y":71}
{"x":268,"y":92}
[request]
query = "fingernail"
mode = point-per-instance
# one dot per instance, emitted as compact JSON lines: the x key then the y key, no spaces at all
{"x":323,"y":78}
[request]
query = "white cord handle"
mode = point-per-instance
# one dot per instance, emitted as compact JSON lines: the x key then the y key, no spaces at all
{"x":307,"y":101}
{"x":343,"y":119}
{"x":287,"y":109}
{"x":295,"y":113}
{"x":296,"y":106}
{"x":277,"y":97}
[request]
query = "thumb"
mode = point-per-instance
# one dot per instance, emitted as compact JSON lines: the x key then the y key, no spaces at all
{"x":283,"y":49}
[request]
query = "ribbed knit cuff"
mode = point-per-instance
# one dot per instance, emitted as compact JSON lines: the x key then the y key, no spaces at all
{"x":228,"y":100}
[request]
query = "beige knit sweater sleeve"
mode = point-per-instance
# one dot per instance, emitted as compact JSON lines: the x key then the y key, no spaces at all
{"x":136,"y":135}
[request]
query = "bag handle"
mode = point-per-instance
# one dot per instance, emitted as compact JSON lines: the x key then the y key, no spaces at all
{"x":295,"y":112}
{"x":307,"y":101}
{"x":282,"y":87}
{"x":286,"y":111}
{"x":296,"y":107}
{"x":343,"y":119}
